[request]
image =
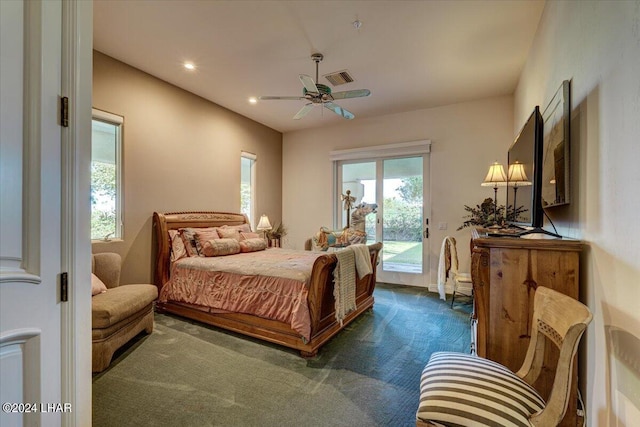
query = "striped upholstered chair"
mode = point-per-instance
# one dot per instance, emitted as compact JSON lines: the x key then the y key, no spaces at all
{"x":465,"y":390}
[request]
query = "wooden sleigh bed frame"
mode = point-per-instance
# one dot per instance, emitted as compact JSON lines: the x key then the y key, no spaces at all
{"x":320,"y":297}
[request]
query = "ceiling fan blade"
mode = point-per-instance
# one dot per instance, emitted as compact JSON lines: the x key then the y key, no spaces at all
{"x":303,"y":111}
{"x":356,"y":93}
{"x":339,"y":110}
{"x":292,"y":98}
{"x":308,"y":83}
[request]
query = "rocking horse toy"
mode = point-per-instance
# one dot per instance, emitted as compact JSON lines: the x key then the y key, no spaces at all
{"x":352,"y":234}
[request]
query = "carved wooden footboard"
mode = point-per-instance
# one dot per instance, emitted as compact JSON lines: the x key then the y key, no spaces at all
{"x":320,"y":297}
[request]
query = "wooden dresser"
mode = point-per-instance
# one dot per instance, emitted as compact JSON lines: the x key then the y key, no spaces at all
{"x":505,"y":273}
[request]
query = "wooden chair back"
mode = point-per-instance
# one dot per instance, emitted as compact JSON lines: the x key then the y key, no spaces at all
{"x":561,"y":320}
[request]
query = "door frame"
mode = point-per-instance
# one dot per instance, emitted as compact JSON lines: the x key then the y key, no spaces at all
{"x":380,"y":153}
{"x":77,"y":85}
{"x":397,"y":277}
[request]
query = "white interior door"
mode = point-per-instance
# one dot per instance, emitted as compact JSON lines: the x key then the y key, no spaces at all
{"x":30,"y":213}
{"x":398,"y":185}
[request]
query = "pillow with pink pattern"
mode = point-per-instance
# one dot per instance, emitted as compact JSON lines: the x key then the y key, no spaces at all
{"x":245,"y":236}
{"x":220,"y":247}
{"x":190,"y":239}
{"x":97,"y":285}
{"x":229,"y":233}
{"x":178,"y":250}
{"x":203,"y":235}
{"x":253,"y":245}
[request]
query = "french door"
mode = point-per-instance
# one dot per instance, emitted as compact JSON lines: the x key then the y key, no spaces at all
{"x":399,"y":188}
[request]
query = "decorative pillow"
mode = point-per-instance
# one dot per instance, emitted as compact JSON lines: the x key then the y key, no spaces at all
{"x":226,"y":232}
{"x":178,"y":250}
{"x":245,"y":236}
{"x":220,"y":247}
{"x":97,"y":285}
{"x":243,"y":228}
{"x":191,"y":241}
{"x":203,"y":235}
{"x":253,"y":245}
{"x":188,"y":236}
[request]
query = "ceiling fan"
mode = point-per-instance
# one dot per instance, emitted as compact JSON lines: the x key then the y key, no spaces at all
{"x":320,"y":95}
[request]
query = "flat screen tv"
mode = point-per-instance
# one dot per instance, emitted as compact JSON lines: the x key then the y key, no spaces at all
{"x":524,"y":178}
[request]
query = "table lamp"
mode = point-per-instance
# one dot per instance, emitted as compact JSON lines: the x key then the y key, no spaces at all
{"x":517,"y":178}
{"x":494,"y":177}
{"x":264,"y":225}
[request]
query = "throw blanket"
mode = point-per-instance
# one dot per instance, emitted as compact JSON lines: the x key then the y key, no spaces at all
{"x":448,"y":264}
{"x":352,"y":259}
{"x":363,"y":259}
{"x":344,"y":287}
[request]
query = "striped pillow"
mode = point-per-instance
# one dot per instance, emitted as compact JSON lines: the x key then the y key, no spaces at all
{"x":463,"y":390}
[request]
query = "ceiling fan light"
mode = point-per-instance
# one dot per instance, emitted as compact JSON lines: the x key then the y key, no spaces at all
{"x":317,"y":94}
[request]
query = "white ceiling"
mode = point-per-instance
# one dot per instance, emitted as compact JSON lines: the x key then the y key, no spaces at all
{"x":410,"y":54}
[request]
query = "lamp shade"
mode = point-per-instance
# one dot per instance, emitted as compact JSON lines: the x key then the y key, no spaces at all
{"x":494,"y":176}
{"x":517,"y":175}
{"x":264,"y":224}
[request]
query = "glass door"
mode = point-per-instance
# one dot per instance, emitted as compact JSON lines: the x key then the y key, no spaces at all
{"x":401,"y":223}
{"x":397,"y":186}
{"x":359,"y":179}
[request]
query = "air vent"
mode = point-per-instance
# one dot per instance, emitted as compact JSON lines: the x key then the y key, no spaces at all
{"x":339,"y":78}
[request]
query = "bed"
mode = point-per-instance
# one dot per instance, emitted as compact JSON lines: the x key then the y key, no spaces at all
{"x":311,"y":321}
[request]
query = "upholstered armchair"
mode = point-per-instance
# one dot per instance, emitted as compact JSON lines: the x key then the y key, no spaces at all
{"x":118,"y":313}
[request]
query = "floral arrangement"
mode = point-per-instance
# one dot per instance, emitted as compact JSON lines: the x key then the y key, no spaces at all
{"x":482,"y":215}
{"x":277,"y":232}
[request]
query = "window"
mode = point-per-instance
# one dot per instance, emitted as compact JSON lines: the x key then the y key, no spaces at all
{"x":106,"y":176}
{"x":247,"y":185}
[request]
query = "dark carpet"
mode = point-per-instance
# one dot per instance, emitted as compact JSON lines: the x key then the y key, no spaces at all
{"x":189,"y":374}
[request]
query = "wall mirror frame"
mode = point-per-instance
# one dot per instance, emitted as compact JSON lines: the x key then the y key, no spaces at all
{"x":556,"y":149}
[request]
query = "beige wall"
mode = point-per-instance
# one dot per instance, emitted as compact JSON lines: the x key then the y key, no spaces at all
{"x":465,"y":139}
{"x":181,"y":152}
{"x":597,"y":46}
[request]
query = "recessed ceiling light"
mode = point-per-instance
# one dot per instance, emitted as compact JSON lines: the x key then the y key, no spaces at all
{"x":189,"y":66}
{"x":253,"y":100}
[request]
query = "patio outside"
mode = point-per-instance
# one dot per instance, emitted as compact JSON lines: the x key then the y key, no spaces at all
{"x":401,"y":256}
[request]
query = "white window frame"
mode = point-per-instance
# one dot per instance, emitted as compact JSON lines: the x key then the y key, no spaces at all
{"x":118,"y":121}
{"x":252,"y":205}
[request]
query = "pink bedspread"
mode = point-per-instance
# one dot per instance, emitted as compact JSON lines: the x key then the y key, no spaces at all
{"x":272,"y":284}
